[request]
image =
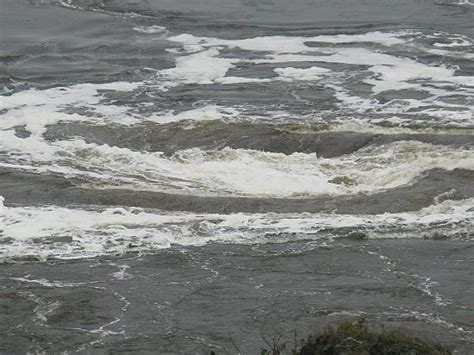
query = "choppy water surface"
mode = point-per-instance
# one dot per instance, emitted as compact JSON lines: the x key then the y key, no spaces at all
{"x":180,"y":177}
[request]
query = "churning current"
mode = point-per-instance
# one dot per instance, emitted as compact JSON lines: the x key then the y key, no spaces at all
{"x":181,"y":177}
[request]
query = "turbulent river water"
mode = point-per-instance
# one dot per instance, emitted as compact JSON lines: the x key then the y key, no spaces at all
{"x":187,"y":176}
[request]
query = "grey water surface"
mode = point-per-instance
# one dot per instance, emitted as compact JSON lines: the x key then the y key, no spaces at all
{"x":181,"y":176}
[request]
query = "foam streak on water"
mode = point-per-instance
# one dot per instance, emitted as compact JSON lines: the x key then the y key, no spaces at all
{"x":169,"y":164}
{"x":377,"y":58}
{"x":48,"y":232}
{"x":246,"y":172}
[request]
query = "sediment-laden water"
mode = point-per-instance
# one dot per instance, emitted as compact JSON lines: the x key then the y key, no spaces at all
{"x":180,"y":177}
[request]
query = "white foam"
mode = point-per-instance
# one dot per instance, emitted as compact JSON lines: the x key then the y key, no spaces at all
{"x":205,"y":113}
{"x":227,"y":172}
{"x":451,"y":53}
{"x":241,"y":80}
{"x":245,"y":172}
{"x":49,"y":283}
{"x":294,"y":44}
{"x":203,"y":67}
{"x":239,"y":172}
{"x":391,"y":72}
{"x":397,"y":128}
{"x":455,"y":43}
{"x":75,"y":233}
{"x":311,"y":74}
{"x":465,"y":2}
{"x":38,"y":108}
{"x":202,"y":64}
{"x":387,"y":72}
{"x":150,"y":29}
{"x":384,"y":38}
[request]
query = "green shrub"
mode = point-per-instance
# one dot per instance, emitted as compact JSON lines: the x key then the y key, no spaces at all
{"x":356,"y":339}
